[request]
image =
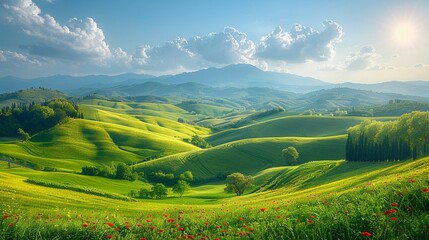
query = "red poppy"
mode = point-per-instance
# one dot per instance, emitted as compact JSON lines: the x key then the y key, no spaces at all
{"x":311,"y":216}
{"x":142,"y":238}
{"x":393,"y":204}
{"x":389,"y":211}
{"x":85,"y":225}
{"x":139,"y":225}
{"x":310,"y":221}
{"x":152,"y":227}
{"x":110,"y":224}
{"x":393,"y":219}
{"x":170,"y":220}
{"x":366,"y":234}
{"x":425,"y":190}
{"x":412,"y":180}
{"x":206,"y":223}
{"x":109,"y":236}
{"x":148,"y":220}
{"x":11,"y":224}
{"x":263,"y":209}
{"x":240,"y":233}
{"x":161,"y":230}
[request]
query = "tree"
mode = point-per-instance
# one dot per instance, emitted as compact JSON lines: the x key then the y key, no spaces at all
{"x":145,"y":193}
{"x":181,"y":187}
{"x":124,"y":172}
{"x":187,"y":176}
{"x":237,"y":183}
{"x":25,"y":136}
{"x":290,"y":154}
{"x":159,"y":191}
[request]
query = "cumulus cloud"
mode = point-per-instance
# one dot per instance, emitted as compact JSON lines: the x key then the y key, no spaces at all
{"x":365,"y":59}
{"x":301,"y":44}
{"x":227,"y":47}
{"x":77,"y":40}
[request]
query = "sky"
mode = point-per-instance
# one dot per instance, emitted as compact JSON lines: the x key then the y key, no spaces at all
{"x":363,"y":41}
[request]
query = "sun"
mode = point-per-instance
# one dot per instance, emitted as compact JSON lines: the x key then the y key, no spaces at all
{"x":404,"y":33}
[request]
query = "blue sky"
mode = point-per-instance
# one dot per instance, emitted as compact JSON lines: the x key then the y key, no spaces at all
{"x":335,"y":41}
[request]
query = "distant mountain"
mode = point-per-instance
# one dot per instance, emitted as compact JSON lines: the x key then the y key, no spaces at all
{"x":67,"y":83}
{"x":244,"y":76}
{"x":347,"y":97}
{"x":415,"y":88}
{"x":261,"y":98}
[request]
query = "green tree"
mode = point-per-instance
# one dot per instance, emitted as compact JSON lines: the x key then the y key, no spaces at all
{"x":124,"y":172}
{"x":187,"y":176}
{"x":237,"y":183}
{"x":145,"y":193}
{"x":24,"y":135}
{"x":181,"y":187}
{"x":290,"y":154}
{"x":159,"y":191}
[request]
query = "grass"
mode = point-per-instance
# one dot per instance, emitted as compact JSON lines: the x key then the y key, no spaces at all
{"x":295,"y":126}
{"x":389,"y":201}
{"x":113,"y":137}
{"x":248,"y":156}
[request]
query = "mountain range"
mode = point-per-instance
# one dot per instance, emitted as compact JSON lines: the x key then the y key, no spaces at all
{"x":224,"y":81}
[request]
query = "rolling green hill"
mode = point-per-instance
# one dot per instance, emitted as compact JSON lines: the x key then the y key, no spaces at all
{"x":113,"y":132}
{"x":36,"y":95}
{"x":248,"y":156}
{"x":295,"y":126}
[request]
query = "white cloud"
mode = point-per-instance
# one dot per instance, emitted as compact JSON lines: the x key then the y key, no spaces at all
{"x":301,"y":44}
{"x":76,"y":40}
{"x":227,"y":47}
{"x":365,"y":59}
{"x":15,"y":58}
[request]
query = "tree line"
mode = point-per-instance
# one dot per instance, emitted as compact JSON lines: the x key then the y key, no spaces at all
{"x":375,"y":141}
{"x":32,"y":118}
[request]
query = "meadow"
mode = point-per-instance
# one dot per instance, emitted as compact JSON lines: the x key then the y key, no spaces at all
{"x":321,"y":196}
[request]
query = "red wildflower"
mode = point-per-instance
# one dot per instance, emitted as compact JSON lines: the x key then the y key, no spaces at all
{"x":6,"y":216}
{"x":215,"y":238}
{"x":310,"y":221}
{"x":170,"y":220}
{"x":148,"y":220}
{"x":181,"y":229}
{"x":393,"y":219}
{"x":109,"y":236}
{"x":11,"y":224}
{"x":184,"y":237}
{"x":311,"y":216}
{"x":393,"y":204}
{"x":206,"y":223}
{"x":240,"y":233}
{"x":408,"y":208}
{"x":161,"y":230}
{"x":425,"y":190}
{"x":85,"y":225}
{"x":110,"y":224}
{"x":366,"y":234}
{"x":412,"y":180}
{"x":142,"y":238}
{"x":190,"y":237}
{"x":152,"y":227}
{"x":139,"y":225}
{"x":263,"y":209}
{"x":389,"y":211}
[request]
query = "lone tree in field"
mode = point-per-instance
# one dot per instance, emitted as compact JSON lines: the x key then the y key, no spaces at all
{"x":159,"y":191}
{"x":237,"y":183}
{"x":290,"y":155}
{"x":181,"y":187}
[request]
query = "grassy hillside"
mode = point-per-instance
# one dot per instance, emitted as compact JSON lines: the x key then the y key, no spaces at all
{"x":297,"y":126}
{"x":115,"y":132}
{"x":37,"y":95}
{"x":248,"y":156}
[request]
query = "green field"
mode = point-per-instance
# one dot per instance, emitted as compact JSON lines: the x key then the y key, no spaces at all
{"x":321,"y":196}
{"x":295,"y":126}
{"x":247,"y":156}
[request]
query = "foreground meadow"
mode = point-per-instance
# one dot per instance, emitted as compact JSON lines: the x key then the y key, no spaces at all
{"x":389,"y":201}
